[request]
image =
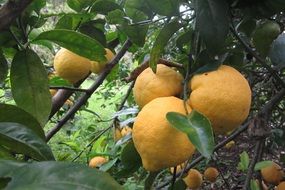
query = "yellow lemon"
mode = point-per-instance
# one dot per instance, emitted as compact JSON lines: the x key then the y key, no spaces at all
{"x":211,"y":174}
{"x":159,"y":144}
{"x":223,"y":96}
{"x":193,"y":179}
{"x":97,"y":67}
{"x":149,"y":85}
{"x":97,"y":161}
{"x":71,"y":66}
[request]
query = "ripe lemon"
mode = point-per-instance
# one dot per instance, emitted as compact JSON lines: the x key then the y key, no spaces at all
{"x":272,"y":174}
{"x":281,"y":186}
{"x":97,"y":161}
{"x":150,"y":85}
{"x":223,"y":96}
{"x":71,"y":66}
{"x":211,"y":174}
{"x":97,"y":67}
{"x":159,"y":144}
{"x":193,"y":179}
{"x":126,"y":130}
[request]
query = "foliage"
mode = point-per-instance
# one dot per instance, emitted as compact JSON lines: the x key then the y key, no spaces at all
{"x":199,"y":35}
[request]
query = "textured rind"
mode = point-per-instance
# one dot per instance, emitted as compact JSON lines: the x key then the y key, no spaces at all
{"x":211,"y":174}
{"x":281,"y":186}
{"x":165,"y":82}
{"x":97,"y":161}
{"x":272,"y":174}
{"x":160,"y":145}
{"x":98,"y":67}
{"x":194,"y":179}
{"x":223,"y":96}
{"x":71,"y":66}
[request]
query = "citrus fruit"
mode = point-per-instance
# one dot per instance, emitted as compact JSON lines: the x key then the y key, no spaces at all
{"x":193,"y":179}
{"x":150,"y":85}
{"x":281,"y":186}
{"x":126,"y":130}
{"x":97,"y":161}
{"x":52,"y":92}
{"x":272,"y":174}
{"x":71,"y":66}
{"x":97,"y":67}
{"x":230,"y":144}
{"x":159,"y":144}
{"x":211,"y":174}
{"x":223,"y":96}
{"x":179,"y":168}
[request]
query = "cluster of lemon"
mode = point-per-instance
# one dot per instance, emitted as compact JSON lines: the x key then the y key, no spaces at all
{"x":73,"y":67}
{"x":223,"y":96}
{"x":273,"y":174}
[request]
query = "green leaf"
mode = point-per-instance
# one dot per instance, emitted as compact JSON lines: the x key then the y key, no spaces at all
{"x":8,"y":166}
{"x":150,"y":180}
{"x":161,"y":41}
{"x":277,"y":51}
{"x":141,"y":5}
{"x":136,"y":33}
{"x":36,"y":6}
{"x":264,"y":35}
{"x":205,"y":63}
{"x":130,"y":157}
{"x":254,"y":185}
{"x":247,"y":26}
{"x":76,"y":42}
{"x":179,"y":185}
{"x":198,"y":129}
{"x":23,"y":140}
{"x":11,"y":113}
{"x":164,"y":7}
{"x":5,"y":154}
{"x":262,"y":164}
{"x":79,"y":5}
{"x":184,"y":40}
{"x":105,"y":6}
{"x":3,"y":67}
{"x":59,"y":176}
{"x":29,"y":85}
{"x":58,"y":81}
{"x":212,"y":23}
{"x":244,"y":161}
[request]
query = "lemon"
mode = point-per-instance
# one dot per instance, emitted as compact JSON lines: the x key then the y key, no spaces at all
{"x":97,"y":67}
{"x":193,"y":179}
{"x":211,"y":174}
{"x":159,"y":144}
{"x":97,"y":161}
{"x":71,"y":66}
{"x":272,"y":174}
{"x":150,"y":85}
{"x":223,"y":96}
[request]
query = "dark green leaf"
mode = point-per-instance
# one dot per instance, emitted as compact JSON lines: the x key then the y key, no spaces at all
{"x":23,"y":140}
{"x":264,"y":35}
{"x":212,"y":23}
{"x":161,"y":41}
{"x":79,"y":5}
{"x":11,"y":113}
{"x":67,"y":22}
{"x":59,"y":176}
{"x":141,"y":5}
{"x":164,"y":7}
{"x":130,"y":157}
{"x":29,"y":84}
{"x":247,"y":26}
{"x":179,"y":185}
{"x":105,"y":6}
{"x":36,"y":6}
{"x":184,"y":40}
{"x":150,"y":180}
{"x":262,"y":164}
{"x":58,"y":81}
{"x":116,"y":17}
{"x":8,"y":166}
{"x":136,"y":33}
{"x":3,"y":67}
{"x":76,"y":42}
{"x":198,"y":129}
{"x":254,"y":185}
{"x":34,"y":33}
{"x":5,"y":154}
{"x":244,"y":161}
{"x":277,"y":52}
{"x":276,"y":5}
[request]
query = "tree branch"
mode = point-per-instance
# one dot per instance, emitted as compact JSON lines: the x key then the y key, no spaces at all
{"x":11,"y":10}
{"x":84,"y":98}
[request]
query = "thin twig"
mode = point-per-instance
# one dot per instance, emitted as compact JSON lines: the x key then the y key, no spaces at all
{"x":84,"y":98}
{"x":68,"y":88}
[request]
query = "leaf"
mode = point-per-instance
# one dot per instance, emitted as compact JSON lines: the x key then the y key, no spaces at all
{"x":179,"y":185}
{"x":3,"y":67}
{"x":164,"y":7}
{"x":127,"y":111}
{"x":141,"y":5}
{"x":198,"y":129}
{"x":23,"y":140}
{"x":11,"y":113}
{"x":277,"y":52}
{"x":8,"y":166}
{"x":212,"y":23}
{"x":59,"y":176}
{"x":254,"y":185}
{"x":76,"y":42}
{"x":79,"y":5}
{"x":205,"y":63}
{"x":116,"y":17}
{"x":184,"y":40}
{"x":105,"y":6}
{"x":161,"y":41}
{"x":36,"y":6}
{"x":244,"y":161}
{"x":136,"y":33}
{"x":247,"y":26}
{"x":262,"y":164}
{"x":130,"y":157}
{"x":29,"y":84}
{"x":150,"y":180}
{"x":107,"y":166}
{"x":5,"y":154}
